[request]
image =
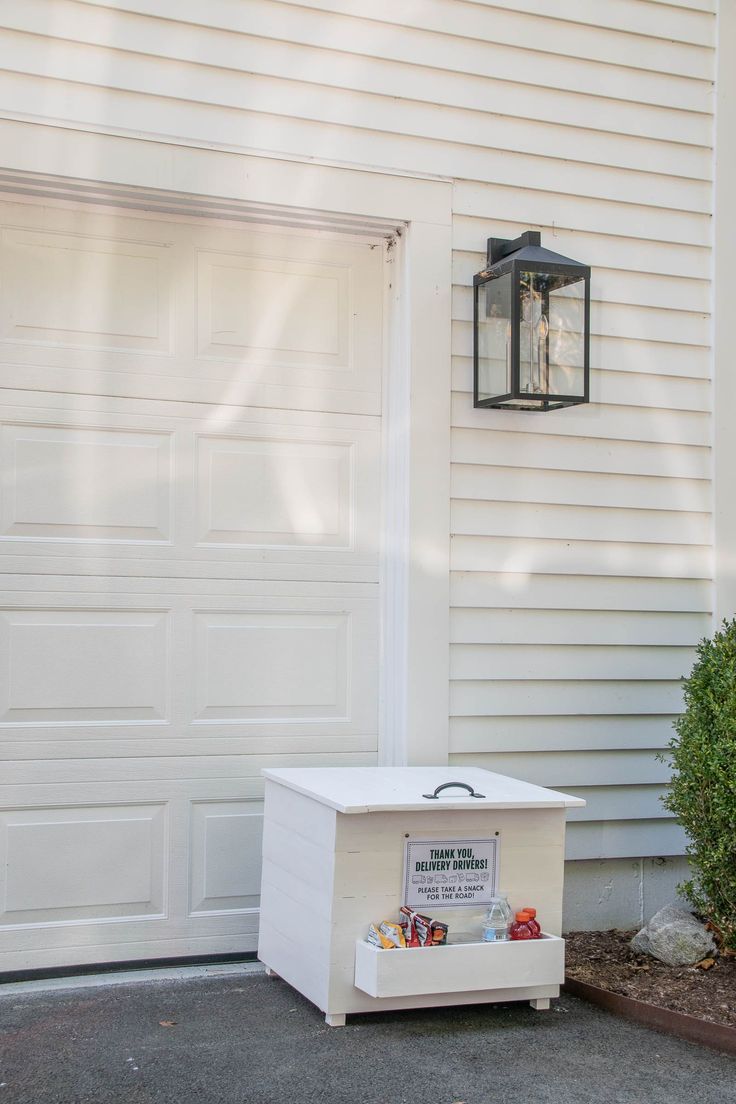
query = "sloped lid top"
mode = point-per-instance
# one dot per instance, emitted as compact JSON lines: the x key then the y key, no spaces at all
{"x":399,"y":789}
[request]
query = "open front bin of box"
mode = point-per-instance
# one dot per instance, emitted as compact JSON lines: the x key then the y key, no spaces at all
{"x":347,"y":847}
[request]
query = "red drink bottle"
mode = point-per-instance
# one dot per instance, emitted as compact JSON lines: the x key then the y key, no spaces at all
{"x":520,"y":929}
{"x":533,"y":922}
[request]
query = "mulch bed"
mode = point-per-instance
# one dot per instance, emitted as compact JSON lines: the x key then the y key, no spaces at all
{"x":605,"y":959}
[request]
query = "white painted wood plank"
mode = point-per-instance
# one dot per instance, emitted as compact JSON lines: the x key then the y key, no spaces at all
{"x":481,"y":483}
{"x":230,"y":90}
{"x":580,"y":557}
{"x":693,"y":5}
{"x":243,"y":131}
{"x":611,"y":284}
{"x":598,"y":420}
{"x":525,"y":519}
{"x":489,"y":590}
{"x":625,"y":839}
{"x":629,"y":321}
{"x":607,"y":627}
{"x":401,"y":789}
{"x":569,"y":661}
{"x":504,"y":447}
{"x":547,"y":697}
{"x":459,"y":968}
{"x":474,"y":735}
{"x":596,"y":768}
{"x":630,"y":16}
{"x":621,"y":388}
{"x":575,"y":209}
{"x":298,"y":61}
{"x":519,"y":30}
{"x":601,"y":248}
{"x":620,"y":803}
{"x":513,"y":439}
{"x":426,"y":48}
{"x":353,"y":832}
{"x":648,"y":360}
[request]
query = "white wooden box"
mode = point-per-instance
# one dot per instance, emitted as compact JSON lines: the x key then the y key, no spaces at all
{"x":464,"y":968}
{"x":333,"y":853}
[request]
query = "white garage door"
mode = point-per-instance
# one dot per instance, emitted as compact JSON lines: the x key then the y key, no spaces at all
{"x":189,"y":523}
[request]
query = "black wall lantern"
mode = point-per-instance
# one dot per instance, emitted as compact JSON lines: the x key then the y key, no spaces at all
{"x":531,"y":327}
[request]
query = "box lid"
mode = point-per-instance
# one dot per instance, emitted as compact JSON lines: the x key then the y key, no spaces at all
{"x":399,"y":789}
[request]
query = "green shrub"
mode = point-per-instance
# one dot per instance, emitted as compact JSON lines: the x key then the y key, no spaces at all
{"x":703,"y":790}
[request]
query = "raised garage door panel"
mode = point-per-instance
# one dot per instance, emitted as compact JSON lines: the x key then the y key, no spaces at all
{"x":187,"y":489}
{"x":189,"y":525}
{"x":113,"y":305}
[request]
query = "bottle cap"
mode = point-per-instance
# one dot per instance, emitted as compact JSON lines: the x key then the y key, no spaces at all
{"x":532,"y":911}
{"x":522,"y":916}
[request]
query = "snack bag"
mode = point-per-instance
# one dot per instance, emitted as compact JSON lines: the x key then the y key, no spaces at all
{"x":376,"y":939}
{"x":417,"y":928}
{"x":439,"y":933}
{"x":392,"y":932}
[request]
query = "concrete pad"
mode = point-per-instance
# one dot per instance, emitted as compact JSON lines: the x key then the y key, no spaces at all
{"x":252,"y":1040}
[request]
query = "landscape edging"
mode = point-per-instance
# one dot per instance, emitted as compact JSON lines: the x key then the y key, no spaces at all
{"x":717,"y":1036}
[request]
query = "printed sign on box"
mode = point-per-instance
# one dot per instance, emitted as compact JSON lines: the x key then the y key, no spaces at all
{"x":449,"y":873}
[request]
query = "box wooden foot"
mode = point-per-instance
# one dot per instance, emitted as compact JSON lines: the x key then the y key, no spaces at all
{"x":270,"y":972}
{"x":336,"y":1019}
{"x":540,"y":1004}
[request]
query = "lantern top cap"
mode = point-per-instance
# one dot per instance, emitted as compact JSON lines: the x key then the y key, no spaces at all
{"x":528,"y":247}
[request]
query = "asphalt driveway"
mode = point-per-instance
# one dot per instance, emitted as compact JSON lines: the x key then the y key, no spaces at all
{"x":249,"y":1039}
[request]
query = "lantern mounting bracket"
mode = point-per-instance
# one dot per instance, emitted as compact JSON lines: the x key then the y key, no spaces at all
{"x":498,"y":248}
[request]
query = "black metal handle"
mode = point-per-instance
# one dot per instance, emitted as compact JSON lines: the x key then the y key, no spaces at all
{"x":447,"y":785}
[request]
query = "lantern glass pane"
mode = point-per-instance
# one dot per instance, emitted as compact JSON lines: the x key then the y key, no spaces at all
{"x":567,"y":338}
{"x":552,"y":335}
{"x":494,"y":337}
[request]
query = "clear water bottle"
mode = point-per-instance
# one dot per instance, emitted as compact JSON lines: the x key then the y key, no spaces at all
{"x":497,"y":920}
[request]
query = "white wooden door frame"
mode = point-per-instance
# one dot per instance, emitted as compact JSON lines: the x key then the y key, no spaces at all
{"x":414,"y":214}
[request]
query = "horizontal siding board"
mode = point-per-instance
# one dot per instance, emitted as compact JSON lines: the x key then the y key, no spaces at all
{"x":609,"y":319}
{"x":231,"y":90}
{"x":551,"y":696}
{"x":579,"y":734}
{"x":515,"y":440}
{"x":619,"y":803}
{"x":630,"y":16}
{"x":353,"y":72}
{"x":578,"y":209}
{"x":581,"y":489}
{"x":244,"y":130}
{"x":612,"y":285}
{"x":529,"y":519}
{"x":624,"y":839}
{"x":520,"y":30}
{"x":618,"y":354}
{"x":394,"y":43}
{"x":579,"y":557}
{"x":524,"y":626}
{"x":495,"y":662}
{"x":488,"y":590}
{"x":709,"y":6}
{"x":622,"y":388}
{"x":600,"y":248}
{"x":568,"y":768}
{"x":633,"y":423}
{"x":672,"y":392}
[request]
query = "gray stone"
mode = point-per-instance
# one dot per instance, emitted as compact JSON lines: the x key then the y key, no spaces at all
{"x":675,"y":937}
